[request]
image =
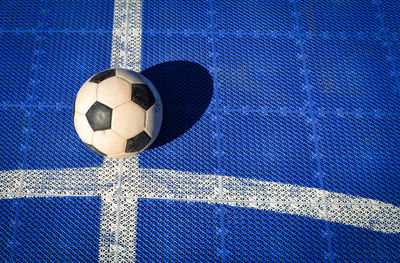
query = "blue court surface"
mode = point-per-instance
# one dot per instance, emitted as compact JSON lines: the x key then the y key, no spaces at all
{"x":299,"y":95}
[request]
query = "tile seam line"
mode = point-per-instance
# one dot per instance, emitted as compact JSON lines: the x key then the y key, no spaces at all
{"x":214,"y":62}
{"x":309,"y":105}
{"x":36,"y":59}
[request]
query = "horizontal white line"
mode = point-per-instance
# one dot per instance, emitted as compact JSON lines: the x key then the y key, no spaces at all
{"x":273,"y":196}
{"x":249,"y":202}
{"x":16,"y":195}
{"x":194,"y":187}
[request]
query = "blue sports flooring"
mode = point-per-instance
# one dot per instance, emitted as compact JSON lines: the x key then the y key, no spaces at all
{"x":296,"y":92}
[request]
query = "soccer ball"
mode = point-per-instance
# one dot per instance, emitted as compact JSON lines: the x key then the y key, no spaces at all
{"x":118,"y":113}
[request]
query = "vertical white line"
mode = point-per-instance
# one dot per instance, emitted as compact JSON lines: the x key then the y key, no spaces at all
{"x":127,"y":35}
{"x":118,"y":215}
{"x":127,"y":210}
{"x":109,"y":210}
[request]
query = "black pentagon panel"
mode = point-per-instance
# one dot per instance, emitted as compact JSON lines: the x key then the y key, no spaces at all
{"x":142,"y":96}
{"x":137,"y":143}
{"x":99,"y":77}
{"x":95,"y":149}
{"x":99,"y":116}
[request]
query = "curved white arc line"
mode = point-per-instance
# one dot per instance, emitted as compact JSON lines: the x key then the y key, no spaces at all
{"x":278,"y":197}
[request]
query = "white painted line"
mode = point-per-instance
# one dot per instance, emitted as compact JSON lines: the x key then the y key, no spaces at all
{"x":57,"y":182}
{"x":109,"y":215}
{"x":118,"y":216}
{"x":282,"y":198}
{"x":122,"y":180}
{"x":127,"y":35}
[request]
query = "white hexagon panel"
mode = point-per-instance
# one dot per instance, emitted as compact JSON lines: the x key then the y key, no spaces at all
{"x":114,"y":91}
{"x":132,"y":112}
